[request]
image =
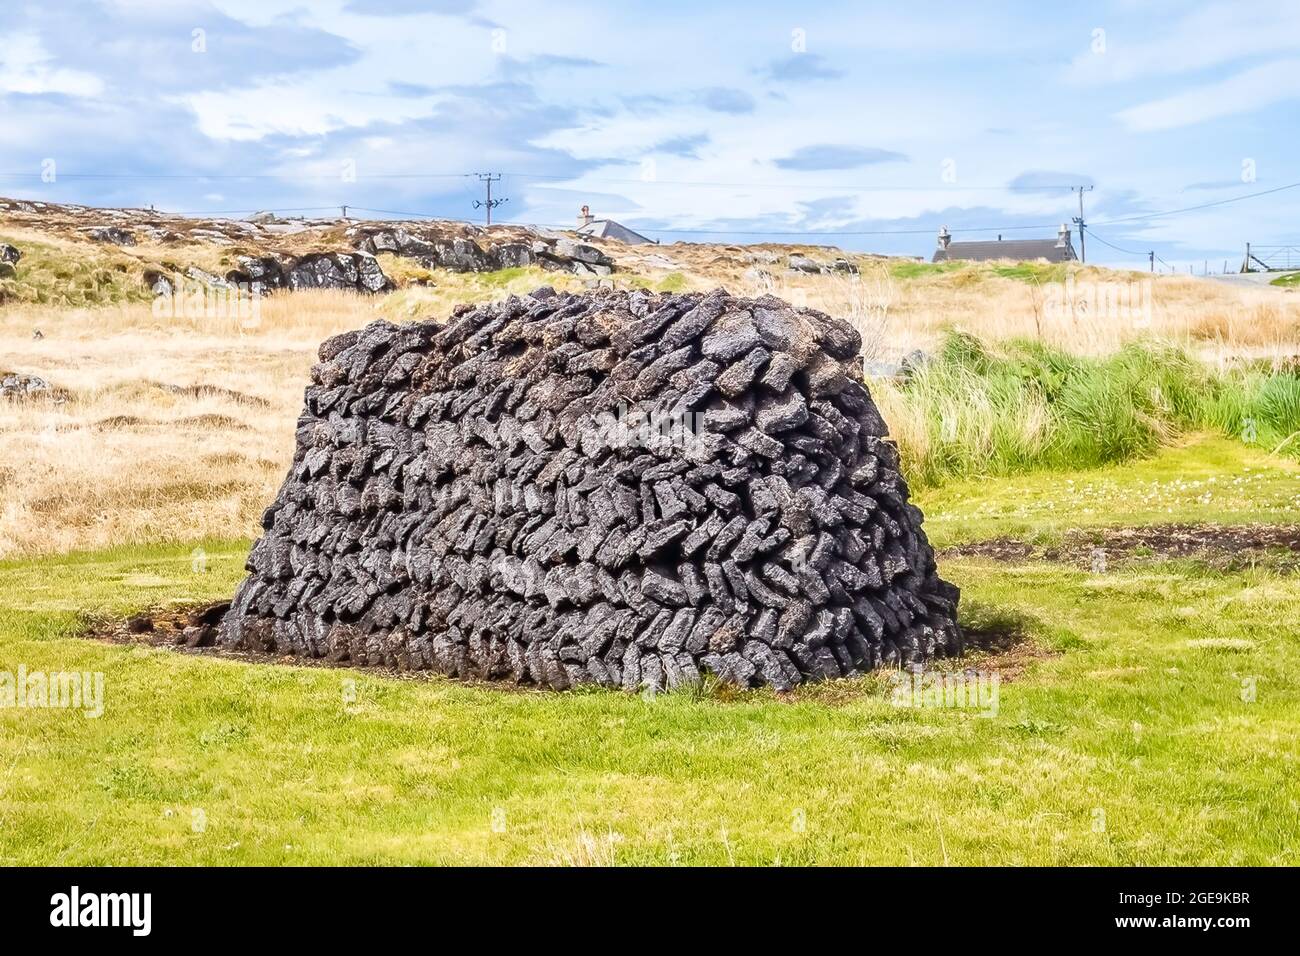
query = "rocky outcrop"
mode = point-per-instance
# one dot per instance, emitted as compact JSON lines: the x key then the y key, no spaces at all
{"x":810,"y":266}
{"x":113,"y":235}
{"x":261,"y":275}
{"x":357,"y":271}
{"x":14,"y":386}
{"x":624,"y":489}
{"x":464,"y":254}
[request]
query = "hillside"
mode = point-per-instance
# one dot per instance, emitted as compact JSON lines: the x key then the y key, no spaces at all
{"x":84,"y":257}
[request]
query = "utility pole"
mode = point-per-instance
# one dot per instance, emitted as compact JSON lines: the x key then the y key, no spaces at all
{"x":1079,"y":221}
{"x":345,"y":212}
{"x":1152,"y":256}
{"x":489,"y":204}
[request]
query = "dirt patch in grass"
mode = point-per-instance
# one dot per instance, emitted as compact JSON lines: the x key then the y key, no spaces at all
{"x":191,"y":628}
{"x":1223,"y":547}
{"x":998,"y":640}
{"x":1008,"y":655}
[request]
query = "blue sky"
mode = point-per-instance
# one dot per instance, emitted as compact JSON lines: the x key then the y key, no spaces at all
{"x":872,"y":124}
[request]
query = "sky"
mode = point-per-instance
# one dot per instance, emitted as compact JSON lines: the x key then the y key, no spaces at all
{"x":862,"y":125}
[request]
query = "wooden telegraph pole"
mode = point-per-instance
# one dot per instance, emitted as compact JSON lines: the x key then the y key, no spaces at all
{"x":489,"y":204}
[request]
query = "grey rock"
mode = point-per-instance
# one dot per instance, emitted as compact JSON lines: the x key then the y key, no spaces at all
{"x":804,"y":264}
{"x":113,"y":235}
{"x":14,"y":387}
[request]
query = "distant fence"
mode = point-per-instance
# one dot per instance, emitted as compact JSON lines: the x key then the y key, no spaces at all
{"x":1270,"y":258}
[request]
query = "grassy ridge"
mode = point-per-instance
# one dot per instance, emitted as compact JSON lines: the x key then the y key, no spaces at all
{"x":975,"y":410}
{"x":48,"y":275}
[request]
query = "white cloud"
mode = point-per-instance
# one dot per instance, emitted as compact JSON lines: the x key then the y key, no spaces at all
{"x":1212,"y":36}
{"x":25,"y":68}
{"x":1245,"y":92}
{"x":413,"y":95}
{"x":306,"y":107}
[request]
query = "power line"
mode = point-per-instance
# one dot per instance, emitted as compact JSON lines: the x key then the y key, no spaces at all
{"x":832,"y":232}
{"x":1128,"y":252}
{"x":236,"y":212}
{"x":1208,"y":205}
{"x":394,"y":212}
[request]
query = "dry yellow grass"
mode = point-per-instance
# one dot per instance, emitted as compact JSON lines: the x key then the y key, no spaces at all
{"x":171,"y":432}
{"x":179,"y":430}
{"x":1211,"y":319}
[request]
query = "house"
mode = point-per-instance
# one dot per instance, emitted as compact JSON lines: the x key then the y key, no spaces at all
{"x":1021,"y":250}
{"x":590,"y":226}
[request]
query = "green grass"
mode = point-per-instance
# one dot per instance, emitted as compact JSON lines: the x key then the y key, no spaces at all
{"x":1033,"y":272}
{"x":48,"y":275}
{"x":1206,"y":479}
{"x":979,"y":411}
{"x":1289,"y":281}
{"x":917,"y":270}
{"x":671,"y":282}
{"x":1135,"y":718}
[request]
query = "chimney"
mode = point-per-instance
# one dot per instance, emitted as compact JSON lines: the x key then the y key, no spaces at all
{"x":585,"y":217}
{"x":945,"y":237}
{"x":1063,"y":236}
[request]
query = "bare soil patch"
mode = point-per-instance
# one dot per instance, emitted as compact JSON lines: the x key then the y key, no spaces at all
{"x":192,"y":630}
{"x":1223,"y":547}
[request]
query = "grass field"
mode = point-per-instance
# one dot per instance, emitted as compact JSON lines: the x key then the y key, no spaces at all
{"x":1150,"y":718}
{"x":1147,"y":709}
{"x":209,"y":405}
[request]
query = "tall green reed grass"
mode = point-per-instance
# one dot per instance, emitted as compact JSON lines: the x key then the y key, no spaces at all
{"x":975,"y":410}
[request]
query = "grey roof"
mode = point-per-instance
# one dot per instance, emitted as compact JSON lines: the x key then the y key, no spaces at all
{"x":1021,"y":250}
{"x":609,"y":229}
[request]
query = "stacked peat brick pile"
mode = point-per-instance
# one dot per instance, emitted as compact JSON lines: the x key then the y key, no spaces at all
{"x":620,"y":488}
